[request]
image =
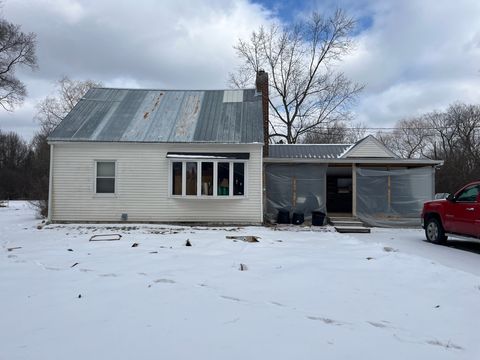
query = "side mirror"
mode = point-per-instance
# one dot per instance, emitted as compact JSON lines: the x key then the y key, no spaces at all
{"x":451,"y":197}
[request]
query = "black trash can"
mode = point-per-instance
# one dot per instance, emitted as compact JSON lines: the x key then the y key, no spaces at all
{"x":283,"y":216}
{"x":298,"y":218}
{"x":318,"y":218}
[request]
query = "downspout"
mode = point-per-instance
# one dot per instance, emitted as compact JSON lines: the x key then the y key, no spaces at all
{"x":50,"y":186}
{"x":354,"y":190}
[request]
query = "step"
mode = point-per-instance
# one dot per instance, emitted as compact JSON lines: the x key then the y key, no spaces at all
{"x":352,"y":229}
{"x":342,"y":218}
{"x":347,"y":223}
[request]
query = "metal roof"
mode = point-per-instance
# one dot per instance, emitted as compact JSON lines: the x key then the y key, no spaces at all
{"x":310,"y":151}
{"x":136,"y":115}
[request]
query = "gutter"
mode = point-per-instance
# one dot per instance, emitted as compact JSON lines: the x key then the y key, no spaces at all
{"x":354,"y":161}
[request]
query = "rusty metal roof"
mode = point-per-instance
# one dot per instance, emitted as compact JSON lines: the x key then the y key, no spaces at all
{"x":136,"y":115}
{"x":308,"y":151}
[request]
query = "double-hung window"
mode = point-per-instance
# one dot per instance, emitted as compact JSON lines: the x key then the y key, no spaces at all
{"x":207,"y":178}
{"x":105,"y":177}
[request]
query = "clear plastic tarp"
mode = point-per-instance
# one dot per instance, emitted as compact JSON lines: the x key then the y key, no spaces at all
{"x":295,"y":187}
{"x":391,"y":198}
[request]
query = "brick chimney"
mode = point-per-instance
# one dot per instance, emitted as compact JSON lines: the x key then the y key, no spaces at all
{"x":261,"y":84}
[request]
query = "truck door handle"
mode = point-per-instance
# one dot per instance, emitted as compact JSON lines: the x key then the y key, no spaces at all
{"x":470,"y":209}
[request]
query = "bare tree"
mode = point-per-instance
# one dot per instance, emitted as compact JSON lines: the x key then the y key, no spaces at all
{"x":335,"y":133}
{"x":17,"y":49}
{"x":52,"y":110}
{"x":14,"y":167}
{"x":452,"y":135}
{"x":456,"y":140}
{"x":306,"y":92}
{"x":411,"y":138}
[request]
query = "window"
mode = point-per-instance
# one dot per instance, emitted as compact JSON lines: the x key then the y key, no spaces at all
{"x":105,"y":181}
{"x":177,"y":178}
{"x":191,"y":183}
{"x":344,"y":185}
{"x":208,"y":178}
{"x":223,"y":179}
{"x":469,"y":194}
{"x":238,"y":179}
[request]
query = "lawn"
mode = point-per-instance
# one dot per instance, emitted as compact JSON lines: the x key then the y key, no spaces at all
{"x":302,"y":294}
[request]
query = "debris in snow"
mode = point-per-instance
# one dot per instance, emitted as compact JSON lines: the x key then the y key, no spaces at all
{"x":369,"y":258}
{"x":14,"y":248}
{"x":153,"y":252}
{"x":447,"y":345}
{"x":248,"y":238}
{"x":188,"y":243}
{"x":437,"y":306}
{"x":105,"y":237}
{"x":39,"y":227}
{"x":79,"y":296}
{"x":134,"y":244}
{"x":69,"y":249}
{"x":325,"y":320}
{"x":243,"y":267}
{"x":74,"y":264}
{"x":164,"y":281}
{"x":389,"y":249}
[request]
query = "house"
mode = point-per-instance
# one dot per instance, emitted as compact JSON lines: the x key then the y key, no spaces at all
{"x":364,"y":180}
{"x":160,"y":156}
{"x":203,"y":156}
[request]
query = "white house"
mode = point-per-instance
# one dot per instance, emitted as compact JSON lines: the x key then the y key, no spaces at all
{"x":159,"y":156}
{"x":203,"y":156}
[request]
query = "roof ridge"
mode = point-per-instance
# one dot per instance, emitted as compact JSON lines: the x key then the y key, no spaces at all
{"x":156,"y":89}
{"x":312,"y":144}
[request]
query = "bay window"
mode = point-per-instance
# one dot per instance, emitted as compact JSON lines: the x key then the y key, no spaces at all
{"x":207,"y":178}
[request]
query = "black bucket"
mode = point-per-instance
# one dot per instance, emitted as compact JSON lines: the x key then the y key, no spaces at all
{"x":283,"y":216}
{"x":298,"y":218}
{"x":318,"y":218}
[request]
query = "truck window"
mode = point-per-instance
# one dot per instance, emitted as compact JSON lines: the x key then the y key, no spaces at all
{"x":469,"y":194}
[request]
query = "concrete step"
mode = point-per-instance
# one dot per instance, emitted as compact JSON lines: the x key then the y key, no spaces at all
{"x":342,"y":218}
{"x":352,"y":229}
{"x":347,"y":223}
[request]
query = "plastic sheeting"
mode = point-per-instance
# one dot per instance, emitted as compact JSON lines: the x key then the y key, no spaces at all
{"x":296,"y":187}
{"x":393,"y":197}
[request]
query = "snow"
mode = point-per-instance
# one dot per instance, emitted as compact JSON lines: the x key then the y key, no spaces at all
{"x":305,"y":294}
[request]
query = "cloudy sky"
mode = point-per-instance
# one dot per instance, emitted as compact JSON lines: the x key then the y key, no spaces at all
{"x":413,"y":55}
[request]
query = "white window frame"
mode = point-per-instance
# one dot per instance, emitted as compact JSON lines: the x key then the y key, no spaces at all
{"x":115,"y":183}
{"x":199,"y":179}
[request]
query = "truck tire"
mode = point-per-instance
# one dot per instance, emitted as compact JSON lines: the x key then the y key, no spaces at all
{"x":434,"y":231}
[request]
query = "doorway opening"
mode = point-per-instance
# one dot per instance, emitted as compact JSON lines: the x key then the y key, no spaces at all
{"x":339,"y":191}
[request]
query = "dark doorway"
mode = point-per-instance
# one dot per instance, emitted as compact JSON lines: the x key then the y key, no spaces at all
{"x":339,"y":194}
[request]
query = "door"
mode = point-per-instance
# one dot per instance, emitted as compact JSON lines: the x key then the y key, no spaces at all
{"x":339,"y":194}
{"x":464,"y":213}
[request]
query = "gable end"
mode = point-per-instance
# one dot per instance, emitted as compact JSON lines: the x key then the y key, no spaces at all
{"x":369,"y":147}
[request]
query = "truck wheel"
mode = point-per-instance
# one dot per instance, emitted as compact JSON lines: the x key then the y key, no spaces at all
{"x":434,"y":231}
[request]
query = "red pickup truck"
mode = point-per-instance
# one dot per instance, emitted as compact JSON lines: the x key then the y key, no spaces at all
{"x":458,"y":215}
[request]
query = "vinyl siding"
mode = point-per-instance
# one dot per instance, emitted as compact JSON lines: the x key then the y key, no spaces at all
{"x":368,"y":148}
{"x":142,"y":185}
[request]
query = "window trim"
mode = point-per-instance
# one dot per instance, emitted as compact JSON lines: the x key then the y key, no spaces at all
{"x":199,"y":178}
{"x":115,"y":183}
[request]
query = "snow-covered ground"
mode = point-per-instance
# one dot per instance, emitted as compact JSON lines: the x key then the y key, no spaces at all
{"x":305,"y":294}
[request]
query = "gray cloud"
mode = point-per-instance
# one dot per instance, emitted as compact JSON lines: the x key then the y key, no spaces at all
{"x":417,"y":56}
{"x":414,"y":56}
